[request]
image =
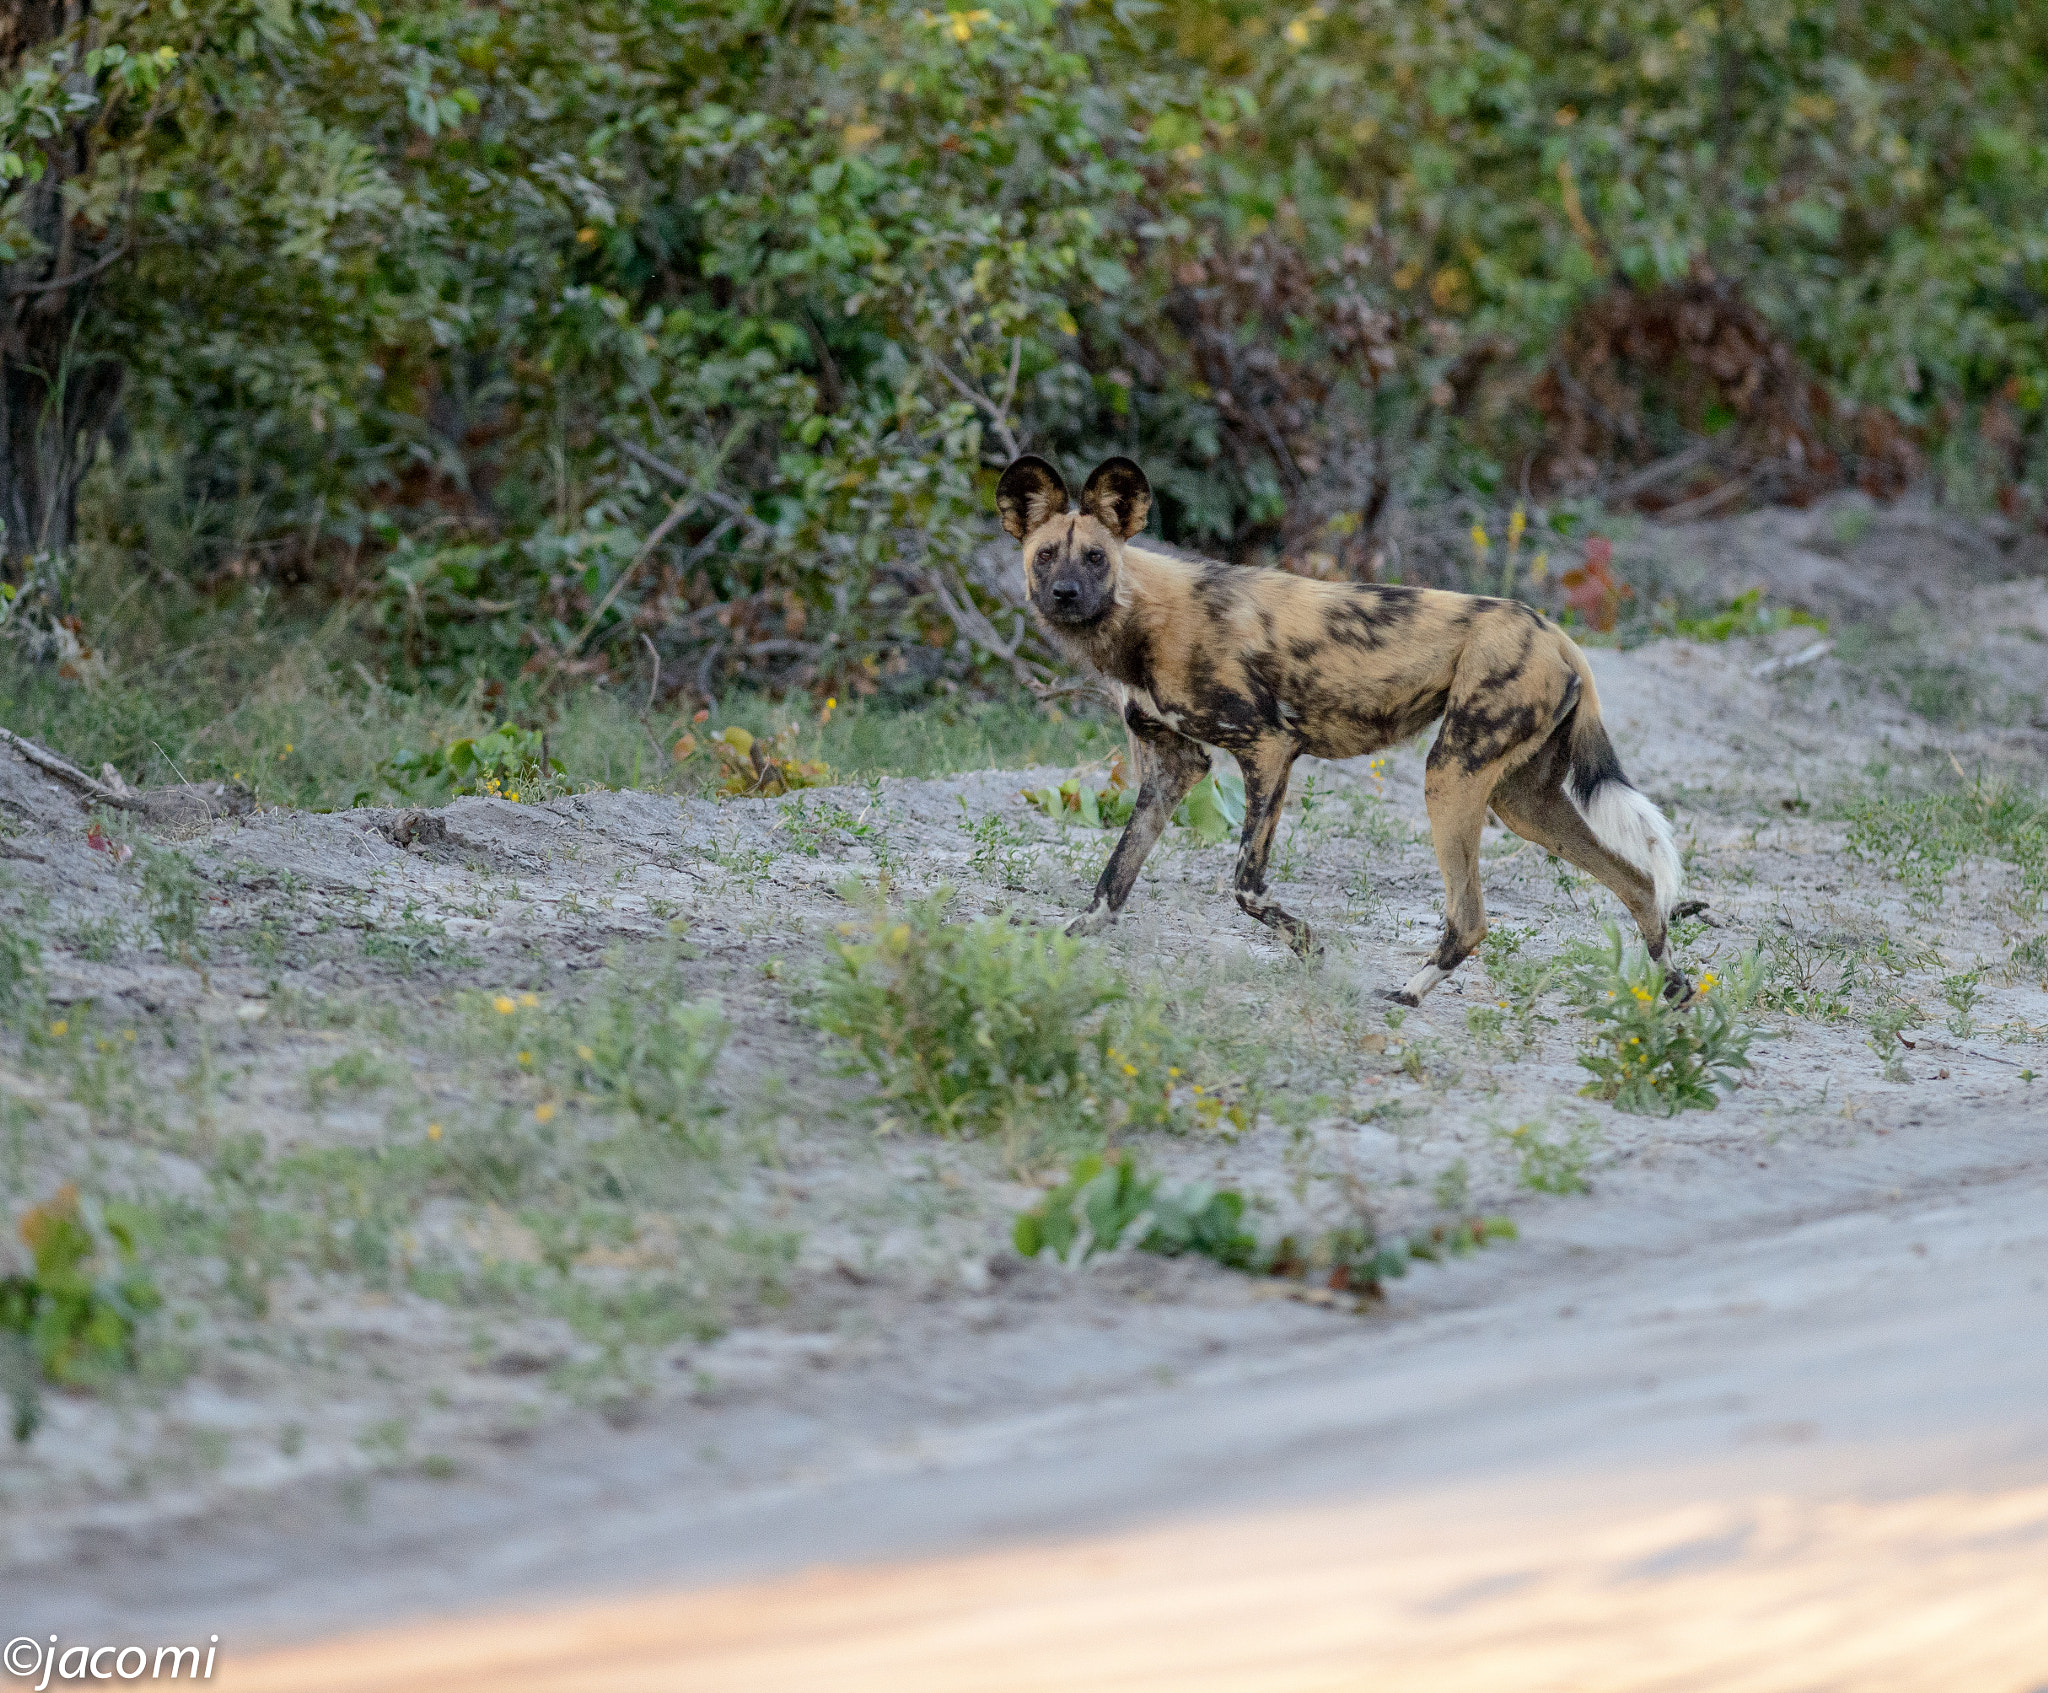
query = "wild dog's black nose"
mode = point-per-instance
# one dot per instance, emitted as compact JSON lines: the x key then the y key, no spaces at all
{"x":1066,"y":594}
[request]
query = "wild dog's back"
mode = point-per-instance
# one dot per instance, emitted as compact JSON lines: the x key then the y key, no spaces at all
{"x":1344,"y":668}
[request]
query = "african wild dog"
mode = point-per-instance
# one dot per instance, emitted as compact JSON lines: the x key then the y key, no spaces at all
{"x":1269,"y":666}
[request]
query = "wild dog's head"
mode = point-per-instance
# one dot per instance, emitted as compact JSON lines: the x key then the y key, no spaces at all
{"x":1072,"y":557}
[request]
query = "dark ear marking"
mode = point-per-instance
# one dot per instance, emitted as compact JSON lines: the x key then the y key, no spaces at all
{"x":1118,"y":497}
{"x":1030,"y":492}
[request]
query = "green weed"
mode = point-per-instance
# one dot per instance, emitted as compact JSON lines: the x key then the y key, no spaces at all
{"x":1519,"y":983}
{"x":1544,"y":1164}
{"x":1963,"y":990}
{"x":645,"y":1054}
{"x":1887,"y":1022}
{"x":1098,"y":1206}
{"x":1214,"y":808}
{"x":971,"y":1027}
{"x":1805,"y":975}
{"x":21,"y":962}
{"x":2026,"y":957}
{"x":505,"y":762}
{"x":1101,"y":1207}
{"x":71,"y":1320}
{"x":997,"y":848}
{"x":1653,"y":1056}
{"x":1745,"y":615}
{"x":1078,"y":801}
{"x":174,"y":899}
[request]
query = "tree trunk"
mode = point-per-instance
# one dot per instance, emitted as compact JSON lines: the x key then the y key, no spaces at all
{"x":56,"y":400}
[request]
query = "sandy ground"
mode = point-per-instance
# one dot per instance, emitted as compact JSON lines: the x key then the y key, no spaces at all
{"x":1782,"y":1365}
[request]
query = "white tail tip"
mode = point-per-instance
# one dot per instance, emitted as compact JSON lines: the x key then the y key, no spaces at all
{"x":1628,"y":825}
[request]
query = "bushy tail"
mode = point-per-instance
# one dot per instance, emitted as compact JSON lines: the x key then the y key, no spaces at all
{"x":1622,"y":819}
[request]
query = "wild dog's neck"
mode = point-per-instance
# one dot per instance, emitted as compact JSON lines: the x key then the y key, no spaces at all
{"x":1122,"y":648}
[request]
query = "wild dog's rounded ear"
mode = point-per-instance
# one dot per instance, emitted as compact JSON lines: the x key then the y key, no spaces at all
{"x":1118,"y":497}
{"x":1030,"y":493}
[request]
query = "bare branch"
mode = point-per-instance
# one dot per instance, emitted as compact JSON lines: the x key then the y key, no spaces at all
{"x":86,"y":275}
{"x":686,"y":503}
{"x":967,"y":618}
{"x":69,"y":774}
{"x":998,"y":414}
{"x":711,"y":496}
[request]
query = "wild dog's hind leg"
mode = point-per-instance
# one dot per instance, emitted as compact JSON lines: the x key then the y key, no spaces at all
{"x":1168,"y":766}
{"x":1457,"y":799}
{"x":1531,"y":801}
{"x":1266,"y":765}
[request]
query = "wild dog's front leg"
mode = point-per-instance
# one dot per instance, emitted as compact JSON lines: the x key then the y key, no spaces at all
{"x":1168,"y":766}
{"x":1266,"y":766}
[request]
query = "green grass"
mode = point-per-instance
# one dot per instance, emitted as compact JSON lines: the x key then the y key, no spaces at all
{"x":291,"y":707}
{"x":1921,"y":839}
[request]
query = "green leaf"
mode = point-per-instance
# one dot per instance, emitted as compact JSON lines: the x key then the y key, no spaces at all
{"x":1214,"y":809}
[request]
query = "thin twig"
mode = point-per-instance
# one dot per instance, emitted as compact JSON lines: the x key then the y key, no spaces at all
{"x":661,"y":467}
{"x":969,"y":621}
{"x":654,"y":680}
{"x":1662,"y":470}
{"x":686,"y":502}
{"x":1000,"y":415}
{"x":704,"y":670}
{"x":86,"y":275}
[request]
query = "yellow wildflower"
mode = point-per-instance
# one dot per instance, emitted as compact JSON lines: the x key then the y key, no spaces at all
{"x":433,"y":1131}
{"x":545,"y":1112}
{"x":1481,"y":544}
{"x":503,"y":1005}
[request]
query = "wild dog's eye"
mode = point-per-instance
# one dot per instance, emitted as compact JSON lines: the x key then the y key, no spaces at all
{"x":1097,"y":557}
{"x":1047,"y":554}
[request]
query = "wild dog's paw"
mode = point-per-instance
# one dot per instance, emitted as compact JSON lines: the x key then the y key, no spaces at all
{"x":1092,"y":921}
{"x":1400,"y":996}
{"x":1678,"y":986}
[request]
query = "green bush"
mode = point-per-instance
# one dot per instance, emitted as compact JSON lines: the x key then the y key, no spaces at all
{"x":540,"y":330}
{"x":645,"y":1054}
{"x":71,"y":1320}
{"x":976,"y":1026}
{"x":502,"y":763}
{"x":1101,"y":1207}
{"x":1655,"y":1056}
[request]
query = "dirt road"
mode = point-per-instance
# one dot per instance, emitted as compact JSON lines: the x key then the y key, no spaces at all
{"x":1783,"y":1432}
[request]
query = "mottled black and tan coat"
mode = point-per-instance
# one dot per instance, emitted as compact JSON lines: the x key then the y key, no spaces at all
{"x":1269,"y":666}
